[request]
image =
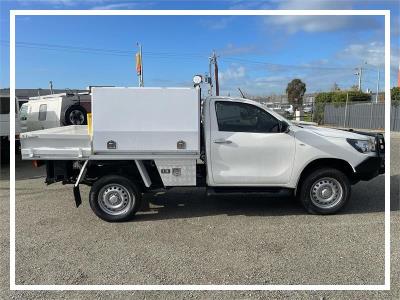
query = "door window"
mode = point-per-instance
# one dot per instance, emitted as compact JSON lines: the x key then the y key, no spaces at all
{"x":42,"y":112}
{"x":242,"y":117}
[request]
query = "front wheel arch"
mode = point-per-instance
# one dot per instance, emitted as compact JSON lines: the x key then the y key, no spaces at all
{"x":320,"y":163}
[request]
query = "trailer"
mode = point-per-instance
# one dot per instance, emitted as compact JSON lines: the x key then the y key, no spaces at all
{"x":142,"y":139}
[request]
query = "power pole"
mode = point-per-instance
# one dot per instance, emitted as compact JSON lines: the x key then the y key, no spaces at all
{"x":210,"y":92}
{"x":359,"y":74}
{"x":216,"y":75}
{"x":213,"y":61}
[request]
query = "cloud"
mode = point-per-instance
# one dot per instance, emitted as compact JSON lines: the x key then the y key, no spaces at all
{"x":96,"y":4}
{"x":216,"y":23}
{"x":373,"y":53}
{"x":124,"y":5}
{"x":52,"y":2}
{"x":232,"y":50}
{"x":319,"y":75}
{"x":293,"y":24}
{"x":233,"y":73}
{"x":249,"y":4}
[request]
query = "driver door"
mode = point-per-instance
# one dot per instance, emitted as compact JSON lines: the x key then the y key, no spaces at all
{"x":247,"y":147}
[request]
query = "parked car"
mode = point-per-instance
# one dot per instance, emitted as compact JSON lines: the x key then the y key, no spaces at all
{"x":55,"y":110}
{"x":288,"y":109}
{"x":159,"y":138}
{"x":308,"y":108}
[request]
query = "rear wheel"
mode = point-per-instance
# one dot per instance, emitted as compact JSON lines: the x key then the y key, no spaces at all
{"x":325,"y":191}
{"x":76,"y":115}
{"x":114,"y":198}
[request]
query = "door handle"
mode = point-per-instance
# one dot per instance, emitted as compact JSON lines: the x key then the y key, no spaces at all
{"x":222,"y":141}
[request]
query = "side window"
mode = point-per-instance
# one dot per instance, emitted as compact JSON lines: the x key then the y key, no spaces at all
{"x":242,"y":117}
{"x":4,"y":105}
{"x":42,"y":112}
{"x":23,"y":113}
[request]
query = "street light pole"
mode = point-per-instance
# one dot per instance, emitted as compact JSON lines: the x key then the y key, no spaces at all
{"x":359,"y":74}
{"x":377,"y":87}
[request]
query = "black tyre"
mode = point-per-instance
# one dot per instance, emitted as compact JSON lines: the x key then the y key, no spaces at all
{"x":325,"y":191}
{"x":75,"y":115}
{"x":114,"y":198}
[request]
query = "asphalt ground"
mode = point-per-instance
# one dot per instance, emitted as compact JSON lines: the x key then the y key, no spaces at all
{"x":187,"y":238}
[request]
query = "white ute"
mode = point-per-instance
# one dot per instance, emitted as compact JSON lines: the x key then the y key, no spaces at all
{"x":168,"y":137}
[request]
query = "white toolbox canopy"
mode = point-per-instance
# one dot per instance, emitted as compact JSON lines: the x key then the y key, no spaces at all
{"x":145,"y":120}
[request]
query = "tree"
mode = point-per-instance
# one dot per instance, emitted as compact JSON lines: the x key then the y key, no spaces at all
{"x":395,"y":95}
{"x":354,"y":87}
{"x":335,"y":87}
{"x":295,"y":91}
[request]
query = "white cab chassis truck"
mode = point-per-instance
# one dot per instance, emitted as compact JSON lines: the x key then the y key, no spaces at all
{"x":144,"y":139}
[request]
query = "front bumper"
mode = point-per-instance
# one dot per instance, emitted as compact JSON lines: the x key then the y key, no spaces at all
{"x":370,"y":168}
{"x":373,"y":165}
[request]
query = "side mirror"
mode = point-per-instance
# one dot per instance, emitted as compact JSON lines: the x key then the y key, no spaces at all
{"x":284,"y":127}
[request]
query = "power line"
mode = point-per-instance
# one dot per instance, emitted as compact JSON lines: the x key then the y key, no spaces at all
{"x":287,"y":66}
{"x":68,"y":48}
{"x":164,"y":55}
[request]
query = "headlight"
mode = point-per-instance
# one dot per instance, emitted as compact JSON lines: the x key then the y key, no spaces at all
{"x":363,"y":146}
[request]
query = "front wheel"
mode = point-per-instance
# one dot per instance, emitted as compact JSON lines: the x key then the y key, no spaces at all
{"x":114,"y":198}
{"x":325,"y":191}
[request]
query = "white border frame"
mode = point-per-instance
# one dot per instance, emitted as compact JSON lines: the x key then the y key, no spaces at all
{"x":385,"y":13}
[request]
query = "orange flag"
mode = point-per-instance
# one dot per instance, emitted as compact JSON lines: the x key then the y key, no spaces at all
{"x":138,"y":64}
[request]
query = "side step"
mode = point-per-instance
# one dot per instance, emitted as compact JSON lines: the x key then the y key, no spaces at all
{"x":264,"y":191}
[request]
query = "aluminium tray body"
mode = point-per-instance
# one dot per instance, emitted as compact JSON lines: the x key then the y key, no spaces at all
{"x":74,"y":143}
{"x":60,"y":143}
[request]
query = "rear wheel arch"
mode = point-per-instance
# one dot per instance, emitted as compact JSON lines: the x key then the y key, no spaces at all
{"x":127,"y":169}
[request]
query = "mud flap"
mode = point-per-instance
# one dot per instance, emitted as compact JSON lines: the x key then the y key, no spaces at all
{"x":77,"y":195}
{"x":77,"y":192}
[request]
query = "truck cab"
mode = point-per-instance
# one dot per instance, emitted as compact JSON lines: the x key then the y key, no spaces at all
{"x":246,"y":144}
{"x":250,"y":145}
{"x":167,"y":138}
